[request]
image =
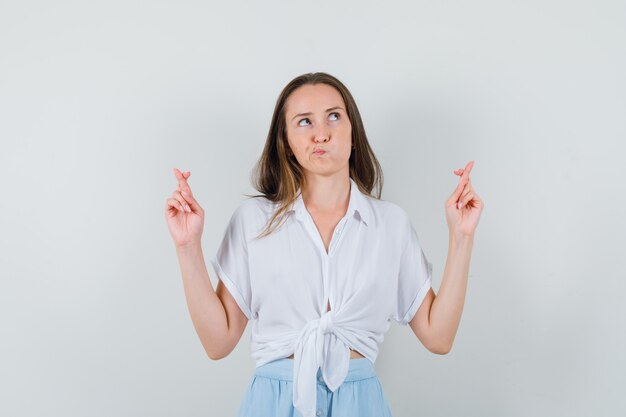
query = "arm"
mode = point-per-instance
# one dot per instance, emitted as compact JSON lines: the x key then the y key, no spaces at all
{"x":216,"y":316}
{"x":437,"y":320}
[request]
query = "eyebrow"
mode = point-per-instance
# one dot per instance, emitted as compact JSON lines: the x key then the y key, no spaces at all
{"x":308,"y":113}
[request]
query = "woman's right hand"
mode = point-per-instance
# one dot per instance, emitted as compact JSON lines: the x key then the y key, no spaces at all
{"x":184,"y":216}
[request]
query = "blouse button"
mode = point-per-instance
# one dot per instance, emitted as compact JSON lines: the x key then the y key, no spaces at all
{"x":319,"y":412}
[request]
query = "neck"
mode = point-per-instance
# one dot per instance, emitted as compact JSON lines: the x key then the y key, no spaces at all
{"x":327,"y":194}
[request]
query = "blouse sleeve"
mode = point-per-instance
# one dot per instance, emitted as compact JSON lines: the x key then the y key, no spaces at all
{"x":414,"y":280}
{"x":231,"y":262}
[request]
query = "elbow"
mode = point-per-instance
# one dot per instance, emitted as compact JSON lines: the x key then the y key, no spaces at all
{"x":441,"y":350}
{"x":213,"y":356}
{"x":217,"y":347}
{"x":440,"y":347}
{"x":435,"y":343}
{"x":216,"y":356}
{"x":218,"y":352}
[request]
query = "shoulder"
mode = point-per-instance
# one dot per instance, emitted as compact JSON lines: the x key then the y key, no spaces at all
{"x":388,"y":213}
{"x":251,"y":206}
{"x":252,"y":213}
{"x":391,"y":221}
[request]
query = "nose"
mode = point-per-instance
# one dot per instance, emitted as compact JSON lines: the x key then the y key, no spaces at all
{"x":321,"y":135}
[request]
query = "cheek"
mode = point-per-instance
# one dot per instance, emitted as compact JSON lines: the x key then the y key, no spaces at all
{"x":347,"y":131}
{"x":346,"y":134}
{"x":298,"y":147}
{"x":292,"y":140}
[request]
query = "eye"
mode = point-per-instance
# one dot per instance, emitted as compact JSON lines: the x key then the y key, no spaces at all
{"x":336,"y":114}
{"x":302,"y":120}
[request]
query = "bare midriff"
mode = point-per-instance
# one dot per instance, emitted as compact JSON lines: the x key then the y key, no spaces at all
{"x":353,"y":355}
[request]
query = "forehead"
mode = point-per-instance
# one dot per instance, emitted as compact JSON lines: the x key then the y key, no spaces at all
{"x":318,"y":97}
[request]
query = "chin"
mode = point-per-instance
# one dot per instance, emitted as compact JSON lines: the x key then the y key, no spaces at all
{"x":325,"y":170}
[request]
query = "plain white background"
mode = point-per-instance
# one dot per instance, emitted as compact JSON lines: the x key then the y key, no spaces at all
{"x":100,"y":99}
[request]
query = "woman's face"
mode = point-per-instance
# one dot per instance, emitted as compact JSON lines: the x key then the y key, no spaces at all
{"x":317,"y":120}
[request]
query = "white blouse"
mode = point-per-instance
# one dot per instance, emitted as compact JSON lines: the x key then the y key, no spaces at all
{"x":374,"y":271}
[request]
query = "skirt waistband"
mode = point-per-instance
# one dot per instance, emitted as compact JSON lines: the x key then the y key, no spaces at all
{"x":360,"y":368}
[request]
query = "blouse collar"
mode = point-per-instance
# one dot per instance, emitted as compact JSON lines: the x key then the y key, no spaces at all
{"x":357,"y":203}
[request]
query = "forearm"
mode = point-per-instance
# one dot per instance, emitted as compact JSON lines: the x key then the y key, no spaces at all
{"x":206,"y":309}
{"x":446,"y":310}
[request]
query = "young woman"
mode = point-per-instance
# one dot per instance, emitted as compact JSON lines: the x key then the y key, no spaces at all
{"x":319,"y":264}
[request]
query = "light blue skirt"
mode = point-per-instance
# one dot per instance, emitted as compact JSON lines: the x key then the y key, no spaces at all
{"x":269,"y":393}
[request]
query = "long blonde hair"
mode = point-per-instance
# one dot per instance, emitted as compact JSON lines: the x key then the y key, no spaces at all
{"x":278,"y":176}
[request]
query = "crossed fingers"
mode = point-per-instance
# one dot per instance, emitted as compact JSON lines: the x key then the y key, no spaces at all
{"x":464,"y":192}
{"x":183,"y":190}
{"x":182,"y":180}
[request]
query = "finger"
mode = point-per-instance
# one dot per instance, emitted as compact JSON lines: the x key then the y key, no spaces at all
{"x":466,"y":200}
{"x":462,"y":181}
{"x":195,"y":207}
{"x":468,"y":169}
{"x":182,"y":180}
{"x":179,"y":176}
{"x":468,"y":188}
{"x":174,"y":203}
{"x":456,"y":194}
{"x":187,"y":187}
{"x":466,"y":191}
{"x":176,"y":194}
{"x":477,"y":202}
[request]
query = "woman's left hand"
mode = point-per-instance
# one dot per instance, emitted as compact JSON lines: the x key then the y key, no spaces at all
{"x":463,"y":208}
